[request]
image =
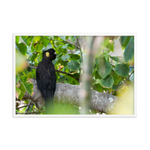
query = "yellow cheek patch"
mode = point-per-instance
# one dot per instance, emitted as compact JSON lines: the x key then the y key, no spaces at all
{"x":47,"y":54}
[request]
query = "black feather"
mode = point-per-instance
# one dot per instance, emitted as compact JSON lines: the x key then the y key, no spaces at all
{"x":46,"y":79}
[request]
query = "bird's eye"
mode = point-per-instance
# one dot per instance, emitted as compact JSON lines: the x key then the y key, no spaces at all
{"x":47,"y":54}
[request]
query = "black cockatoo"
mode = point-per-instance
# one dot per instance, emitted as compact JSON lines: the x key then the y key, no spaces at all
{"x":46,"y":79}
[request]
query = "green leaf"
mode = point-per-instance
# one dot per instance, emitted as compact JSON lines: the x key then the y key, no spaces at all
{"x":29,"y":87}
{"x":107,"y":82}
{"x":22,"y":48}
{"x":33,"y":73}
{"x":61,"y":79}
{"x":67,"y":37}
{"x":116,"y":78}
{"x":17,"y":78}
{"x":65,"y":57}
{"x":18,"y":91}
{"x":68,"y":46}
{"x":110,"y":46}
{"x":97,"y":81}
{"x":115,"y":58}
{"x":49,"y":45}
{"x":114,"y":87}
{"x":63,"y":37}
{"x":71,"y":47}
{"x":24,"y":79}
{"x":124,"y":40}
{"x":59,"y":54}
{"x":59,"y":43}
{"x":23,"y":90}
{"x":27,"y":39}
{"x":97,"y":60}
{"x":38,"y":47}
{"x":72,"y":38}
{"x":69,"y":79}
{"x":65,"y":46}
{"x":17,"y":39}
{"x":129,"y":50}
{"x":36,"y":39}
{"x":104,"y":68}
{"x":74,"y":56}
{"x":73,"y":65}
{"x":45,"y":40}
{"x":97,"y":76}
{"x":122,"y":69}
{"x":24,"y":38}
{"x":98,"y":87}
{"x":75,"y":82}
{"x":33,"y":57}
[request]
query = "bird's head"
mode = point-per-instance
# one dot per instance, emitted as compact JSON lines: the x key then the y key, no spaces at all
{"x":50,"y":54}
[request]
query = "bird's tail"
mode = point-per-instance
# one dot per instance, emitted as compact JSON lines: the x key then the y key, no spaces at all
{"x":49,"y":102}
{"x":49,"y":105}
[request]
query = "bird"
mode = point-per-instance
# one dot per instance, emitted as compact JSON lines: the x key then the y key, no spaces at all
{"x":46,"y":79}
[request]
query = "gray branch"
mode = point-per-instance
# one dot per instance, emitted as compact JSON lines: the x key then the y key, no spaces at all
{"x":67,"y":93}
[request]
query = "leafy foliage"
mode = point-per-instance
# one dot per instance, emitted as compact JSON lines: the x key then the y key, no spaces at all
{"x":122,"y":69}
{"x":107,"y":81}
{"x":108,"y":73}
{"x":104,"y":68}
{"x":129,"y":50}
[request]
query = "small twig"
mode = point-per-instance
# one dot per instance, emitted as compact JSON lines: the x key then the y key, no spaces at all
{"x":78,"y":42}
{"x":94,"y":87}
{"x":32,"y":66}
{"x":22,"y":106}
{"x":66,"y":74}
{"x":28,"y":106}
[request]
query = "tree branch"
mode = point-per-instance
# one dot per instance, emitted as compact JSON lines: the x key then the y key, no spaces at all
{"x":66,"y":93}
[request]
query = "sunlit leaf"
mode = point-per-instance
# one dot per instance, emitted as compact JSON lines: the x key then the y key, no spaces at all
{"x":17,"y":39}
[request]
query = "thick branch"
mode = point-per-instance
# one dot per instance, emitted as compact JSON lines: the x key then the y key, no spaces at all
{"x":66,"y":93}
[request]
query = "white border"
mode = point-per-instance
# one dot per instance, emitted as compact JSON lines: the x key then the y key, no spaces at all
{"x":77,"y":116}
{"x":73,"y":34}
{"x":83,"y":31}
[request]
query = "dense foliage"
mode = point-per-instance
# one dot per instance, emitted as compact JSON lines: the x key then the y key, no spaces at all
{"x":108,"y":75}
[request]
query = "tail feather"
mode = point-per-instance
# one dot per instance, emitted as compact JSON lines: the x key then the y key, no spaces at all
{"x":49,"y":106}
{"x":49,"y":101}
